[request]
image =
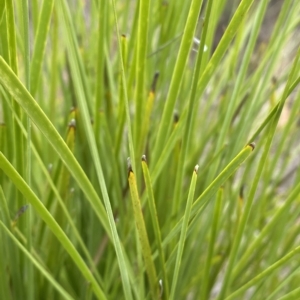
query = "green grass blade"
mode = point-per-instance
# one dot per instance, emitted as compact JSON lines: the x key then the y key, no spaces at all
{"x":177,"y":75}
{"x":293,"y":295}
{"x":32,"y":260}
{"x":224,"y":127}
{"x":22,"y":96}
{"x":191,"y":114}
{"x":50,"y":221}
{"x":183,"y":233}
{"x":99,"y":94}
{"x":284,"y":283}
{"x":272,"y":113}
{"x":141,"y":53}
{"x":12,"y":61}
{"x":211,"y":246}
{"x":265,"y":273}
{"x":266,"y":230}
{"x":156,"y":227}
{"x":125,"y":93}
{"x":40,"y":45}
{"x":90,"y":64}
{"x":26,"y":39}
{"x":142,"y":233}
{"x":224,"y":43}
{"x":78,"y":77}
{"x":212,"y":189}
{"x":244,"y":218}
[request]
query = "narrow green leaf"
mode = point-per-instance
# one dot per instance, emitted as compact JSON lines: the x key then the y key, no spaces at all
{"x":177,"y":75}
{"x":82,"y":96}
{"x":40,"y":44}
{"x":200,"y":203}
{"x":45,"y":273}
{"x":50,"y":221}
{"x":237,"y":240}
{"x":142,"y":233}
{"x":141,"y":53}
{"x":211,"y":246}
{"x":265,"y":273}
{"x":183,"y":233}
{"x":155,"y":224}
{"x":26,"y":39}
{"x":12,"y":84}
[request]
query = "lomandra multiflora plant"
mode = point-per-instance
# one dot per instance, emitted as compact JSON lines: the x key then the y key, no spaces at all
{"x":149,"y":149}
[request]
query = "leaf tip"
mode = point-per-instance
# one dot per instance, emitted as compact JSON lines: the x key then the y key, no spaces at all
{"x":161,"y":287}
{"x":242,"y":192}
{"x":154,"y":82}
{"x":72,"y":123}
{"x":252,"y":145}
{"x":176,"y":117}
{"x":129,"y":166}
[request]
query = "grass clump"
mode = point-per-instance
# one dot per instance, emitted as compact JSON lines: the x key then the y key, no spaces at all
{"x":202,"y":96}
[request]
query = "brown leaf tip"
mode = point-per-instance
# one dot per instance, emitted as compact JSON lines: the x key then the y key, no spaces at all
{"x":161,"y":287}
{"x":252,"y":145}
{"x":154,"y":82}
{"x":242,"y":191}
{"x":129,"y":166}
{"x":196,"y":169}
{"x":72,"y":123}
{"x":176,"y":117}
{"x":123,"y":36}
{"x":144,"y":158}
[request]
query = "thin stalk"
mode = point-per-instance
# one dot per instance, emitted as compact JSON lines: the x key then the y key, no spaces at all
{"x":121,"y":102}
{"x":201,"y":202}
{"x":50,"y":221}
{"x":142,"y":233}
{"x":124,"y":87}
{"x":237,"y":240}
{"x":177,"y":75}
{"x":211,"y":246}
{"x":18,"y":148}
{"x":99,"y":95}
{"x":82,"y":96}
{"x":29,"y":217}
{"x":37,"y":264}
{"x":39,"y":47}
{"x":264,"y":274}
{"x":156,"y":227}
{"x":183,"y":233}
{"x":13,"y":85}
{"x":231,"y":104}
{"x":277,"y":215}
{"x":189,"y":121}
{"x":141,"y":53}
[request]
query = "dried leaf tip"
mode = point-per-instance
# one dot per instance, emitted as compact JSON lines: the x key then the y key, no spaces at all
{"x":252,"y":145}
{"x":154,"y":82}
{"x":161,"y":287}
{"x":21,"y":211}
{"x":129,"y":166}
{"x":176,"y":117}
{"x":72,"y":123}
{"x":242,"y":192}
{"x":144,"y":158}
{"x":196,"y":169}
{"x":123,"y":36}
